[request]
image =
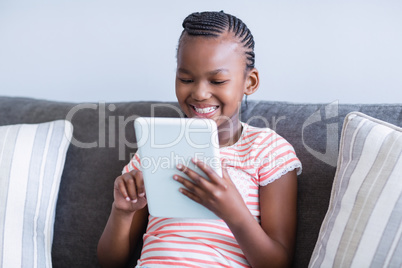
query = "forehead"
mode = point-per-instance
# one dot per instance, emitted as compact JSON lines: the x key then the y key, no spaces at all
{"x":222,"y":51}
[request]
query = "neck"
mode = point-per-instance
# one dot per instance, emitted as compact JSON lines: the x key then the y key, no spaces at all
{"x":229,"y":133}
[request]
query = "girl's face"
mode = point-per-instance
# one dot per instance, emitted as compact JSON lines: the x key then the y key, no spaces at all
{"x":211,"y":79}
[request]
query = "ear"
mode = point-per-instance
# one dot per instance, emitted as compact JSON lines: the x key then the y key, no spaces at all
{"x":252,"y":81}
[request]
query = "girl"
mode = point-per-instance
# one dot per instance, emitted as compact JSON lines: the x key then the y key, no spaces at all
{"x":256,"y":195}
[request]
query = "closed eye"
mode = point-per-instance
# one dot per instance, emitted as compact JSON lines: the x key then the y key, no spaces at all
{"x":218,"y":82}
{"x":185,"y":81}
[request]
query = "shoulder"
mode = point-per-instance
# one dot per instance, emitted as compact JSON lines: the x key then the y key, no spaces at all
{"x":134,"y":164}
{"x":272,"y":154}
{"x":261,"y":138}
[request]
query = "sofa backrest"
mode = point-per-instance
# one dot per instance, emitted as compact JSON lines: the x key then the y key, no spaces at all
{"x":104,"y":141}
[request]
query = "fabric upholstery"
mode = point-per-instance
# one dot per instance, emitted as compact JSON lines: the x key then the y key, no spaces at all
{"x":362,"y":227}
{"x":86,"y":195}
{"x":31,"y":163}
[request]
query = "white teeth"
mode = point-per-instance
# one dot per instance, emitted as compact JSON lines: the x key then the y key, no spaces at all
{"x":205,"y":110}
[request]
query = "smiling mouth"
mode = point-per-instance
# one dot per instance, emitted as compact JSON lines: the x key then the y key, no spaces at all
{"x":205,"y":110}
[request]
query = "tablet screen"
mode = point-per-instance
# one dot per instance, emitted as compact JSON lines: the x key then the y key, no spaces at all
{"x":162,"y":144}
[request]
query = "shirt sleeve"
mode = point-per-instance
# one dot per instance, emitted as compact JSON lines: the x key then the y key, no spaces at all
{"x":278,"y":158}
{"x":134,"y":164}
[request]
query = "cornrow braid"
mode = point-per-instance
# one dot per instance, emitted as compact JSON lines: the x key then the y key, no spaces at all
{"x":214,"y":24}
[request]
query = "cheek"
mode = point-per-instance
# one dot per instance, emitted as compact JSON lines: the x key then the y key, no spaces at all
{"x":181,"y":97}
{"x":235,"y":91}
{"x":179,"y":93}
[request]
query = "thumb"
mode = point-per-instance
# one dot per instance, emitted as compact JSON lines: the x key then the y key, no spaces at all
{"x":224,"y":164}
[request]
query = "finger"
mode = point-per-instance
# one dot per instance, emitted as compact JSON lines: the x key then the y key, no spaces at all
{"x":191,"y":195}
{"x":186,"y":183}
{"x":191,"y":190}
{"x":194,"y":176}
{"x":120,"y":186}
{"x":224,"y":165}
{"x":131,"y":187}
{"x":139,"y":183}
{"x":211,"y":174}
{"x":225,"y":173}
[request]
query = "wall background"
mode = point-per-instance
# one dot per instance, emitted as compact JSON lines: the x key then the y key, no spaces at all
{"x":98,"y":50}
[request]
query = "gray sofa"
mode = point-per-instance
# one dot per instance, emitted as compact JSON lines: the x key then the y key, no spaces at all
{"x":85,"y":194}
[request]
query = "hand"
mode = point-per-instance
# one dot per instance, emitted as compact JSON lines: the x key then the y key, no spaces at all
{"x":218,"y":194}
{"x":129,"y":192}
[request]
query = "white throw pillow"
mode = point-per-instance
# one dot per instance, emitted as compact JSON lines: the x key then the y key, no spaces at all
{"x":31,"y":163}
{"x":363,"y":224}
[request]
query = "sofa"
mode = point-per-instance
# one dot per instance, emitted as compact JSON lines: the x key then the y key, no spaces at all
{"x":103,"y":141}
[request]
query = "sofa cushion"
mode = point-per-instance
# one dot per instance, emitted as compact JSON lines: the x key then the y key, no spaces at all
{"x":362,"y":227}
{"x":31,"y":163}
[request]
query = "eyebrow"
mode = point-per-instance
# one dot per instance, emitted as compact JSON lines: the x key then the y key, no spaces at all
{"x":214,"y":72}
{"x":217,"y":71}
{"x":181,"y":70}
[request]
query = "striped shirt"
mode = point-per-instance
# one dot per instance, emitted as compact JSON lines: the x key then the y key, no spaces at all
{"x":258,"y":158}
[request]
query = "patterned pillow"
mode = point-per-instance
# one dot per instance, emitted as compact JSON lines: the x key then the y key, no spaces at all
{"x":31,"y":163}
{"x":362,"y":227}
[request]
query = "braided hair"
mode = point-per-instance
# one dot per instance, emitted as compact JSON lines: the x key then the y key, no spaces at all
{"x":214,"y":24}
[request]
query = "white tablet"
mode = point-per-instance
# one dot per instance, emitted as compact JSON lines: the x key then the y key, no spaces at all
{"x":162,"y":144}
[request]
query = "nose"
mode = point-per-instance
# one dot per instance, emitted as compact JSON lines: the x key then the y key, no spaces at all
{"x":201,"y":92}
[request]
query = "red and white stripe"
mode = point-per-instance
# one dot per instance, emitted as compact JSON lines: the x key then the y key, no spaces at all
{"x":258,"y":158}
